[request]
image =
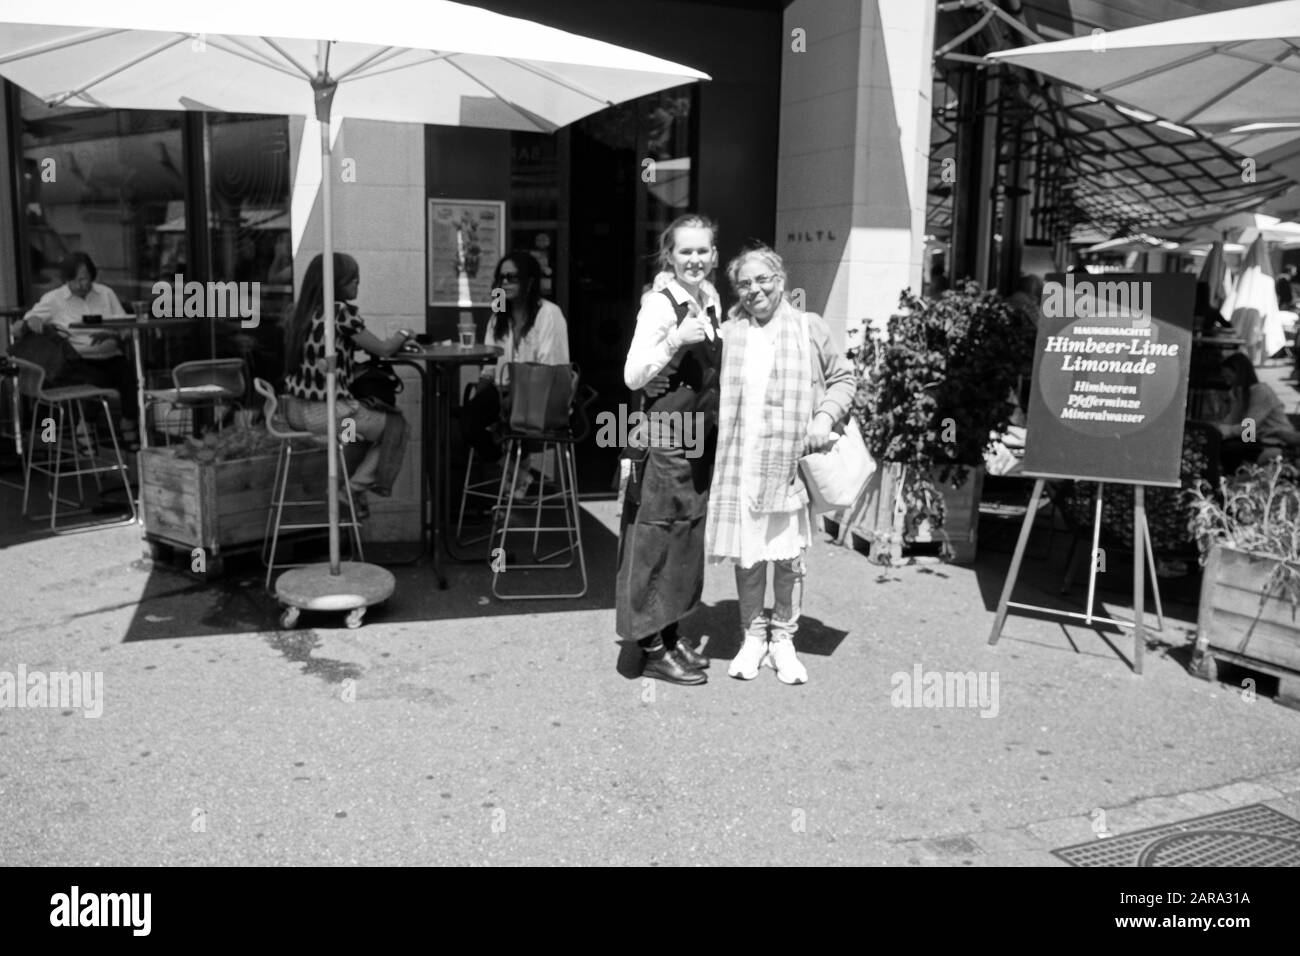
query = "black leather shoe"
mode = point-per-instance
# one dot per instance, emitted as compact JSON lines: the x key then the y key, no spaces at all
{"x":668,"y":667}
{"x":689,"y":656}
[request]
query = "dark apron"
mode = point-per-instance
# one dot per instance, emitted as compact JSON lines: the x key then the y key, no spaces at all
{"x":661,"y":538}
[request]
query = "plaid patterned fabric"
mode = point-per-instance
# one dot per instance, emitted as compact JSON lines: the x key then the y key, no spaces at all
{"x":787,"y":409}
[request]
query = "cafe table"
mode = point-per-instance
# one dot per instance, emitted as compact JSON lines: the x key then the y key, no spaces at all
{"x":437,"y":366}
{"x":133,"y":325}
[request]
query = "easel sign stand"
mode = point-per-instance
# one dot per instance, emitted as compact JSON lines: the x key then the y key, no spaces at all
{"x":1141,"y":548}
{"x":1109,"y":395}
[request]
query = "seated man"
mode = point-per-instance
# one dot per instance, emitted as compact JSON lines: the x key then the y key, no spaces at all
{"x":100,"y":359}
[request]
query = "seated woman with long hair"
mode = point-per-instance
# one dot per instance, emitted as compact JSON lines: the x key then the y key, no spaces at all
{"x":304,"y":385}
{"x":1256,"y":427}
{"x":528,"y":329}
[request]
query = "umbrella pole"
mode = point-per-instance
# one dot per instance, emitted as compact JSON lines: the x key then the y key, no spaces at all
{"x":331,"y":587}
{"x":324,"y":88}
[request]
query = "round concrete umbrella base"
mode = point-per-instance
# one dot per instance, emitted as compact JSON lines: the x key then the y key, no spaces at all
{"x":355,"y":588}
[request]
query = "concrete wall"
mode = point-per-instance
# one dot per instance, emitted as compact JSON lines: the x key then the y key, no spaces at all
{"x":854,"y":144}
{"x":379,"y":220}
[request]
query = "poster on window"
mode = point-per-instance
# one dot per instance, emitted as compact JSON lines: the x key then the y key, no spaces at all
{"x":466,"y":240}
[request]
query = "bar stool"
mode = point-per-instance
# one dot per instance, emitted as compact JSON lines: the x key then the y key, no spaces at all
{"x":75,"y":441}
{"x":564,"y":500}
{"x":286,"y":436}
{"x":487,"y":489}
{"x":207,"y":383}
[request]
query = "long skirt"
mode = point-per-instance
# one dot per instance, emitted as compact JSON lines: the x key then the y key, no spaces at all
{"x":661,"y":544}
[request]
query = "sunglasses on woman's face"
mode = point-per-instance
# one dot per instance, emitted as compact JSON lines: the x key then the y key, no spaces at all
{"x":509,"y":277}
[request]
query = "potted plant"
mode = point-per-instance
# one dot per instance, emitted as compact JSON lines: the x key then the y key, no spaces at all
{"x":1249,"y":537}
{"x":933,"y":390}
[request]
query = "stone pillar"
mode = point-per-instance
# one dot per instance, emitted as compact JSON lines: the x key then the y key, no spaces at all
{"x":379,"y":220}
{"x":853,"y":153}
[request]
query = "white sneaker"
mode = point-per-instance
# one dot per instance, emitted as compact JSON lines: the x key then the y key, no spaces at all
{"x":789,"y":669}
{"x":752,"y":655}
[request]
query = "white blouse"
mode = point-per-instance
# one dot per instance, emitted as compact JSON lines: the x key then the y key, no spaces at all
{"x":547,"y":342}
{"x":655,"y":342}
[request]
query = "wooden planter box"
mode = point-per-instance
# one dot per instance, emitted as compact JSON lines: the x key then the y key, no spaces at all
{"x":1239,"y":623}
{"x":220,"y":506}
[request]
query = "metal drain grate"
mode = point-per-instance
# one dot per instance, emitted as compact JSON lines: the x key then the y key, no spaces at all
{"x":1253,"y":835}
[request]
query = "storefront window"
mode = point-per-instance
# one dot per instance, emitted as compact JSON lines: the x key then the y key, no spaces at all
{"x":534,"y":208}
{"x":631,"y":173}
{"x":663,"y":137}
{"x":248,"y":229}
{"x":103,"y":182}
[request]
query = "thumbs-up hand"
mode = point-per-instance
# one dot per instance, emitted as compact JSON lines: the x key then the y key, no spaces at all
{"x":694,"y":328}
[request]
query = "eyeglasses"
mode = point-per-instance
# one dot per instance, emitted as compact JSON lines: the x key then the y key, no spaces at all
{"x":745,"y":285}
{"x":509,"y":277}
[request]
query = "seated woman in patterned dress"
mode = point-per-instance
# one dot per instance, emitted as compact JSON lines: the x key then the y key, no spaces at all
{"x":304,"y":385}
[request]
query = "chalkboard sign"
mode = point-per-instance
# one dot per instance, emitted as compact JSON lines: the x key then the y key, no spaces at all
{"x":1110,"y":378}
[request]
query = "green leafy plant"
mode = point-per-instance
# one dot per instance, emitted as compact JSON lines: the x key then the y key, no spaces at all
{"x":1257,"y":511}
{"x":936,"y":385}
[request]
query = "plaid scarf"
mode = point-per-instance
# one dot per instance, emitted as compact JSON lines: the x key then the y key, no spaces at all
{"x":787,"y":408}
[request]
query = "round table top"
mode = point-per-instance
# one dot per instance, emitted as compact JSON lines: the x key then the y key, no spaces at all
{"x":131,"y":322}
{"x":447,"y":354}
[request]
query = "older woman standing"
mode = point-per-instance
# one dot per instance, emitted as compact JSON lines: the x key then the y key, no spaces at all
{"x":675,"y":354}
{"x":774,"y":409}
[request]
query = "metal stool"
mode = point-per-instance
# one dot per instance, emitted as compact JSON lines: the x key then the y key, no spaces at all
{"x":283,"y":465}
{"x":564,"y":500}
{"x":487,"y":489}
{"x":75,"y":440}
{"x":208,"y":383}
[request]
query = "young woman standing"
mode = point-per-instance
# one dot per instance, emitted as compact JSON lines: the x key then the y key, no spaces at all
{"x":678,"y":345}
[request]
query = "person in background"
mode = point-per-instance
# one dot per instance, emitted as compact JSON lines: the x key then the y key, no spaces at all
{"x":529,"y":329}
{"x":1256,"y":427}
{"x":672,"y":368}
{"x":100,"y":359}
{"x":1285,"y":295}
{"x":304,"y":385}
{"x":770,"y":416}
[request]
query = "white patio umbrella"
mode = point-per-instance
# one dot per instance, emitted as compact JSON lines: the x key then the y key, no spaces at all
{"x":1139,"y":243}
{"x":432,"y":62}
{"x":1278,"y":232}
{"x":1252,"y":306}
{"x":1215,"y":71}
{"x":1214,"y":273}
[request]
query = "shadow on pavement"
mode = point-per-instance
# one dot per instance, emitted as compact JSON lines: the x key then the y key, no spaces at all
{"x":1042,"y":579}
{"x":720,"y":623}
{"x":238,"y":601}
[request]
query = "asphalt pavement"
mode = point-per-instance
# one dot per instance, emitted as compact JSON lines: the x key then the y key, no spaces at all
{"x":453,"y":728}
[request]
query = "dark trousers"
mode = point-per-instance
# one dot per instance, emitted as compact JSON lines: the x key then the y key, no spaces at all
{"x":477,"y":417}
{"x":116,"y":373}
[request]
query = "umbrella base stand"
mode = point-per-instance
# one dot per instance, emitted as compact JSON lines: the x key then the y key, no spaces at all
{"x":356,"y":587}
